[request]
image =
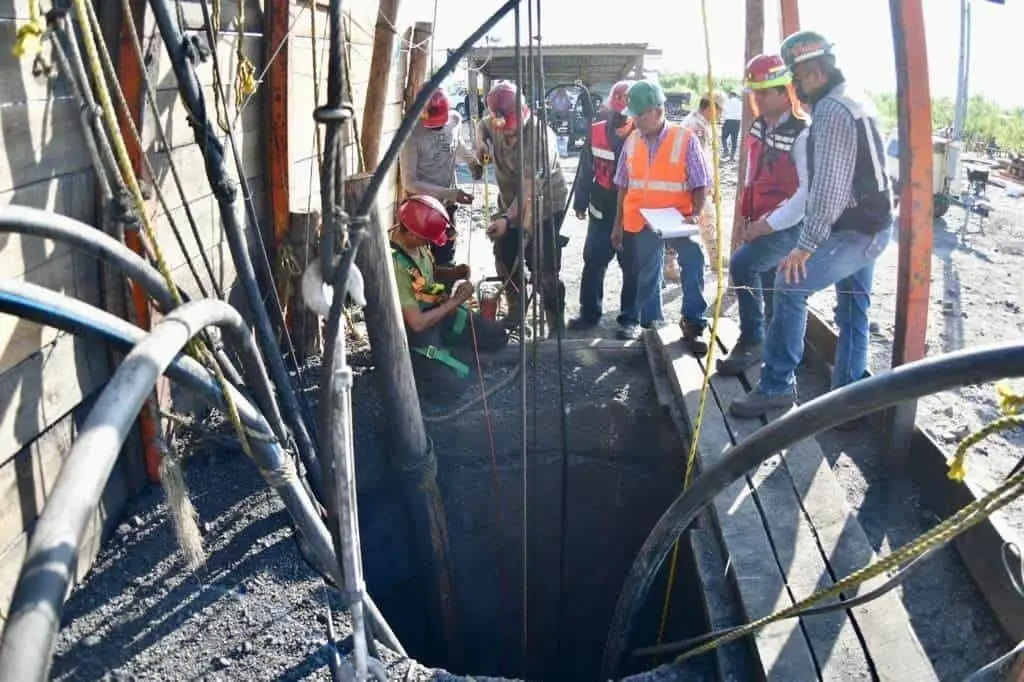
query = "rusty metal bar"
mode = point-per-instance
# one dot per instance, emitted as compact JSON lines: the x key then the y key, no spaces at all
{"x":132,"y":83}
{"x":915,"y":219}
{"x":276,"y":20}
{"x":754,"y":46}
{"x":789,"y":17}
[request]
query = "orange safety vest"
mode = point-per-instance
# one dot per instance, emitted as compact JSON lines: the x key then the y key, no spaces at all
{"x":661,"y":184}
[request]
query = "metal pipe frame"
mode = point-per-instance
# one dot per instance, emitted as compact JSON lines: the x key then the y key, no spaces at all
{"x":43,"y":595}
{"x":909,"y":382}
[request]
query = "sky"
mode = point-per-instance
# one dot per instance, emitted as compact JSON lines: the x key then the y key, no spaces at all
{"x":861,"y":30}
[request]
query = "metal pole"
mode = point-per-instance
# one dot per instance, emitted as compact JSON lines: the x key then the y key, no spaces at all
{"x":963,"y":68}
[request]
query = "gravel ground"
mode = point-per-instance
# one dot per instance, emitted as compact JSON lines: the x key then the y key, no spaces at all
{"x":257,"y":611}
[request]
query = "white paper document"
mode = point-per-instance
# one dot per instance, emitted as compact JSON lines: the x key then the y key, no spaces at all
{"x":669,"y":223}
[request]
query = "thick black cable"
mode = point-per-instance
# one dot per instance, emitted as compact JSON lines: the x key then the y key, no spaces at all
{"x":525,"y":644}
{"x":147,"y":85}
{"x":235,"y":232}
{"x":895,"y":581}
{"x":907,"y":382}
{"x":330,"y":192}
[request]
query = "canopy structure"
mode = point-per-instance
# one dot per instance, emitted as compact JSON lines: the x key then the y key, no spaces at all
{"x":593,"y":64}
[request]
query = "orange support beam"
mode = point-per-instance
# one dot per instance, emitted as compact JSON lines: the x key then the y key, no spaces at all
{"x":789,"y":17}
{"x":754,"y":47}
{"x":916,"y":210}
{"x":276,"y":23}
{"x":131,"y":76}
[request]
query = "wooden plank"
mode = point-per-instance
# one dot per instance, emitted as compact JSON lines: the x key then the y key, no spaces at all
{"x":838,"y":540}
{"x":44,"y":387}
{"x":980,"y":548}
{"x":782,"y":648}
{"x":833,"y":637}
{"x":276,"y":92}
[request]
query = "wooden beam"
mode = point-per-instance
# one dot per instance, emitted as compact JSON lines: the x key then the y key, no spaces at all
{"x":915,"y":219}
{"x":276,"y":22}
{"x":754,"y":46}
{"x":789,"y":17}
{"x":132,"y":78}
{"x":379,"y":82}
{"x":419,"y":58}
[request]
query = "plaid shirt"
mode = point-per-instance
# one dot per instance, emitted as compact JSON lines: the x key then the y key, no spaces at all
{"x":833,"y":138}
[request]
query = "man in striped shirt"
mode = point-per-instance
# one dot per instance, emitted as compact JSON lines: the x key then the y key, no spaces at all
{"x":847,"y":224}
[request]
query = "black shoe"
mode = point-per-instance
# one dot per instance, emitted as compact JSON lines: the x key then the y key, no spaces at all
{"x":579,"y":324}
{"x":692,"y":339}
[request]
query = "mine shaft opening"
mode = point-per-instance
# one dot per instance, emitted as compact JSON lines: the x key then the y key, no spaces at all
{"x":626,"y":460}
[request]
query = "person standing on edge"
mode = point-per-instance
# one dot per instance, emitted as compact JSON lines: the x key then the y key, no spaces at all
{"x":847,"y":225}
{"x":699,"y":121}
{"x":597,"y":195}
{"x":773,"y":200}
{"x":427,"y":164}
{"x":499,"y":132}
{"x":732,"y":116}
{"x":662,"y":166}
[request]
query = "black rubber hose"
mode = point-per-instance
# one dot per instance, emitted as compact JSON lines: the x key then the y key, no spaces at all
{"x":226,"y":192}
{"x":907,"y":382}
{"x":50,"y":308}
{"x":43,"y":224}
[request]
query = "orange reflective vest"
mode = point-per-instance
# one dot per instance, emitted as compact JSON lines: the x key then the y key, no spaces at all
{"x":661,"y":184}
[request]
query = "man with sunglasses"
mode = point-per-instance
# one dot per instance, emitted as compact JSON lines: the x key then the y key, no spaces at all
{"x":847,"y":224}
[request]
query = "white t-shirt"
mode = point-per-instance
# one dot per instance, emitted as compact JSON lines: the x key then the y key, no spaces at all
{"x":733,"y":109}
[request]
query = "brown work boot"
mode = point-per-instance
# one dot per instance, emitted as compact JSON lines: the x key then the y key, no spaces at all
{"x":512,"y":315}
{"x":692,"y":338}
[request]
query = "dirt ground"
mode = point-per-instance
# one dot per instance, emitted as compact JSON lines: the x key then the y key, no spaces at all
{"x":257,"y":611}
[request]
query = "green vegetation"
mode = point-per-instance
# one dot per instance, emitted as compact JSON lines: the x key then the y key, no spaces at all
{"x":985,"y":119}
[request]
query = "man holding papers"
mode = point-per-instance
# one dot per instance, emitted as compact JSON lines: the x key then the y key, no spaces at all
{"x":772,"y":203}
{"x":661,"y":167}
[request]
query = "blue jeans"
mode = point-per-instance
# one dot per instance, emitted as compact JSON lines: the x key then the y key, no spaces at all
{"x":645,"y":264}
{"x":847,"y":260}
{"x":597,"y":254}
{"x":746,"y":268}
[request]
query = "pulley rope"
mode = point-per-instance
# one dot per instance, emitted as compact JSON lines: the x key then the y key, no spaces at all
{"x":716,"y":316}
{"x":196,"y":348}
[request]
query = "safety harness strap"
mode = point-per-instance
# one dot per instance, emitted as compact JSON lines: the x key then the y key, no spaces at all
{"x":445,"y":358}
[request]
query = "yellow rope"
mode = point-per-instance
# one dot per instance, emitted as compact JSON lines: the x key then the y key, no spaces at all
{"x":1011,"y":404}
{"x":963,"y":520}
{"x":90,"y":28}
{"x":29,"y":39}
{"x":709,"y":359}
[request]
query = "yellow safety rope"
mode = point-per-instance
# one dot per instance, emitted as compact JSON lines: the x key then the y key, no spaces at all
{"x":1011,"y":404}
{"x":29,"y":39}
{"x":90,"y":28}
{"x":709,"y":359}
{"x":245,"y":71}
{"x":963,"y":520}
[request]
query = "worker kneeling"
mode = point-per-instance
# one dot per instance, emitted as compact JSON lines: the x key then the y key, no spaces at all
{"x":435,"y":320}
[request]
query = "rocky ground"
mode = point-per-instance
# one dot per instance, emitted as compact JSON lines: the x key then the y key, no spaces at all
{"x":257,"y":611}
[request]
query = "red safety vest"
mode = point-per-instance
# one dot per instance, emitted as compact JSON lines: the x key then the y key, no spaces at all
{"x":603,"y":155}
{"x":773,"y":175}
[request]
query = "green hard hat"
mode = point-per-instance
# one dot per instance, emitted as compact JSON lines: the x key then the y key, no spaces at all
{"x":644,"y":96}
{"x":803,"y":45}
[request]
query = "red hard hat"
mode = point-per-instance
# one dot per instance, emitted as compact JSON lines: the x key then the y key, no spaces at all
{"x":425,"y":217}
{"x":501,"y":100}
{"x":618,"y":98}
{"x":435,"y":114}
{"x":767,"y":71}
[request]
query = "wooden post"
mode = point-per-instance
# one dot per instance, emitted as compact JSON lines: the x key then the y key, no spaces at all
{"x":131,"y":77}
{"x":789,"y":18}
{"x":916,"y":210}
{"x":276,"y":23}
{"x":419,"y":58}
{"x":409,"y":452}
{"x":474,"y":97}
{"x":379,"y":82}
{"x":302,"y":249}
{"x":754,"y":46}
